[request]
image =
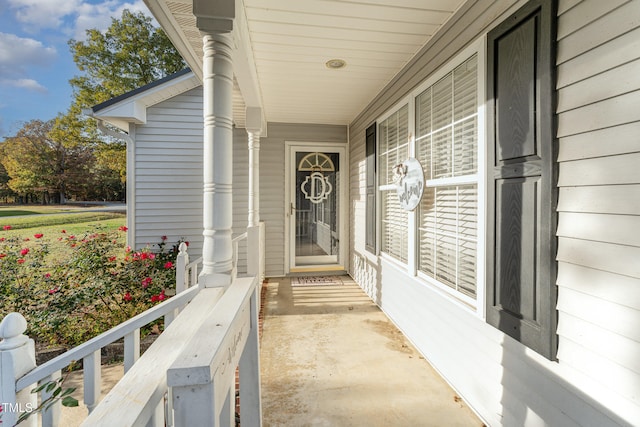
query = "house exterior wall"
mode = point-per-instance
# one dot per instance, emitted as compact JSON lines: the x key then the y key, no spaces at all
{"x":596,"y":379}
{"x":167,"y":161}
{"x":168,"y":173}
{"x":272,"y":182}
{"x":167,"y":170}
{"x":599,"y":216}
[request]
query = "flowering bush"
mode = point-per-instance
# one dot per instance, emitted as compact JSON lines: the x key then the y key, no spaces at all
{"x":74,"y":287}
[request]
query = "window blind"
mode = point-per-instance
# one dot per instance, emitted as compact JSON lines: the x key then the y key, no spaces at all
{"x":446,"y":146}
{"x":394,"y":149}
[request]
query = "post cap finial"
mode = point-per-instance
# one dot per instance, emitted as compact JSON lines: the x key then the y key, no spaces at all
{"x":183,"y":248}
{"x":12,"y":329}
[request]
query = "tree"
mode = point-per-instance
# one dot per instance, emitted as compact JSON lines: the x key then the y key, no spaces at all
{"x":5,"y":191}
{"x":130,"y":54}
{"x":38,"y":161}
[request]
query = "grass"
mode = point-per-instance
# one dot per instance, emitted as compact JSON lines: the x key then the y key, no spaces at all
{"x":11,"y":210}
{"x":55,"y":226}
{"x":43,"y":220}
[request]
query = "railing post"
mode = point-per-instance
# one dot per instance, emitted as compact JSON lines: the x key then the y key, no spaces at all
{"x":182,"y":260}
{"x":202,"y":378}
{"x":249,"y":369}
{"x":255,"y":251}
{"x":17,"y":357}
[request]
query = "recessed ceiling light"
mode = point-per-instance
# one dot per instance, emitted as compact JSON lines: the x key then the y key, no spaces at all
{"x":335,"y":64}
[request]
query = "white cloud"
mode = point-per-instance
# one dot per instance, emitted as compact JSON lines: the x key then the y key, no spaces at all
{"x":71,"y":17}
{"x":17,"y":55}
{"x":99,"y":15}
{"x":29,"y":84}
{"x":40,"y":14}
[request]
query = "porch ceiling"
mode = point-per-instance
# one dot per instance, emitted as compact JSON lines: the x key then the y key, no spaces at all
{"x":283,"y":46}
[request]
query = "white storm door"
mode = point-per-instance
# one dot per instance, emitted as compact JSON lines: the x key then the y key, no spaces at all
{"x":317,"y":182}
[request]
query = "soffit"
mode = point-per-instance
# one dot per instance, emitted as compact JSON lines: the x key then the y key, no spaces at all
{"x":291,"y":40}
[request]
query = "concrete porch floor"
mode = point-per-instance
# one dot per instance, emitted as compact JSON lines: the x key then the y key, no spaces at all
{"x":330,"y":357}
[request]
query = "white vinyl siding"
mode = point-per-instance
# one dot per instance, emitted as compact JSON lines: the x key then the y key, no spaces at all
{"x":447,"y":146}
{"x":168,"y":173}
{"x":393,"y":149}
{"x":595,"y":381}
{"x":599,"y":214}
{"x":272,"y":182}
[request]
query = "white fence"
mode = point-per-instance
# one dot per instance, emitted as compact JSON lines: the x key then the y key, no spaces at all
{"x":186,"y":377}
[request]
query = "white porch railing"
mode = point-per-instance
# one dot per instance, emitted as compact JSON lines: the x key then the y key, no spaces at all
{"x":18,"y":377}
{"x":216,"y":327}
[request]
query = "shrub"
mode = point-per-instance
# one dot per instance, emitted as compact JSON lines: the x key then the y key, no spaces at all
{"x":77,"y":287}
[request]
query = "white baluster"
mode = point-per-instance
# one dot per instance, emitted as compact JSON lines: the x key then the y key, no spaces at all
{"x":51,"y":416}
{"x":131,"y":349}
{"x":92,"y":380}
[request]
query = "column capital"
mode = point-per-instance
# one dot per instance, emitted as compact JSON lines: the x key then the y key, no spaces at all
{"x":254,"y":122}
{"x":214,"y":16}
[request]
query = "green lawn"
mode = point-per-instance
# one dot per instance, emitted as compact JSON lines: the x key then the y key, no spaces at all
{"x":47,"y":220}
{"x":55,"y":228}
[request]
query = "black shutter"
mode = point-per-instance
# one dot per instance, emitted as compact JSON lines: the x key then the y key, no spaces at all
{"x":522,"y":196}
{"x":370,"y":242}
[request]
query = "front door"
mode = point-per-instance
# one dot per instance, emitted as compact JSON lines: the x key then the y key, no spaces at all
{"x":316,"y":189}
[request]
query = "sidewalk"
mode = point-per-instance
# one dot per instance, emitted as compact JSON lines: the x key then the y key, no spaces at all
{"x":330,"y":357}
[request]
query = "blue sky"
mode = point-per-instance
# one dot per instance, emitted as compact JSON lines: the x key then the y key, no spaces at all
{"x":35,"y":62}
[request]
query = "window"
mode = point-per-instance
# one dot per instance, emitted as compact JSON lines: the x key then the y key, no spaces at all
{"x":447,"y":147}
{"x":393,"y":142}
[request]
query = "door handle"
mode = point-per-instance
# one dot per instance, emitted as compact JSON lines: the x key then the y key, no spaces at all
{"x":291,"y":209}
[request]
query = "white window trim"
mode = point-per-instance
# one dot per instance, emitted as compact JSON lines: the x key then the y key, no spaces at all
{"x":477,"y":304}
{"x":406,"y":101}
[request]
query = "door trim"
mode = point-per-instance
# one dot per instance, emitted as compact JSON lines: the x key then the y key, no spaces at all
{"x":289,"y":251}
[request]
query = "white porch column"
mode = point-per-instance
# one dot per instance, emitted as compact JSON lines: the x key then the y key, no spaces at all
{"x":217,"y":79}
{"x":254,"y":130}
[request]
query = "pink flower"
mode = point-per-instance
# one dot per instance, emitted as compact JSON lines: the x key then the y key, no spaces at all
{"x":63,"y":231}
{"x":21,"y":261}
{"x":47,"y":275}
{"x":2,"y":239}
{"x":127,"y":297}
{"x":123,"y":228}
{"x":27,"y":239}
{"x":24,"y":251}
{"x":128,"y":249}
{"x":146,"y":282}
{"x":163,"y":238}
{"x":3,"y":255}
{"x":72,"y":237}
{"x":168,"y":265}
{"x":112,"y":258}
{"x":53,"y":291}
{"x":154,"y":298}
{"x":38,"y":235}
{"x":162,"y":296}
{"x":152,"y":256}
{"x":6,"y":227}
